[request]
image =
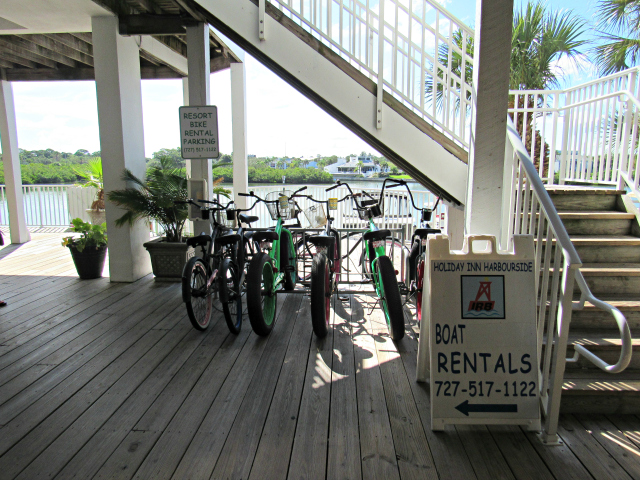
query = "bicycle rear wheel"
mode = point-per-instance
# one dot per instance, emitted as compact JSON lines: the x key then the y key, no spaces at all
{"x":288,"y":263}
{"x":197,"y":297}
{"x":419,"y":286}
{"x":261,"y":295}
{"x":320,"y":295}
{"x":231,"y":296}
{"x":390,"y":297}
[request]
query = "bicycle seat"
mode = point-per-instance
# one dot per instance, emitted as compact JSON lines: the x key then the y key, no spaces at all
{"x":248,"y":219}
{"x":199,"y":240}
{"x":376,"y":235}
{"x":423,"y":232}
{"x":269,"y":236}
{"x":227,"y":239}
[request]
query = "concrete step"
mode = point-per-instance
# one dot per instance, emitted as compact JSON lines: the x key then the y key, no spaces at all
{"x":584,"y":199}
{"x":610,"y":278}
{"x":607,"y":248}
{"x":584,"y":391}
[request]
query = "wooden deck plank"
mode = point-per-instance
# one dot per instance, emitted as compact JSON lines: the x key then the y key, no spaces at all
{"x":239,"y":449}
{"x":343,"y":454}
{"x":55,"y":313}
{"x":484,"y":455}
{"x":614,"y":441}
{"x":92,"y":378}
{"x":139,"y":400}
{"x":186,"y":361}
{"x":309,"y":454}
{"x":559,"y":459}
{"x":25,"y":449}
{"x":198,"y":430}
{"x":447,"y":449}
{"x":376,"y":440}
{"x":279,"y":429}
{"x":99,"y":340}
{"x":409,"y":439}
{"x":59,"y":452}
{"x":519,"y":454}
{"x":175,"y":406}
{"x":585,"y":447}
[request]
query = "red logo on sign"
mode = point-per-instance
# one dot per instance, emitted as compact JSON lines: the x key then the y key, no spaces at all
{"x":479,"y":305}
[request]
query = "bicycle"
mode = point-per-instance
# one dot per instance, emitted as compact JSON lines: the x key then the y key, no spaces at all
{"x":217,"y":272}
{"x":416,"y":258}
{"x":276,"y":270}
{"x":382,"y":274}
{"x":325,"y":264}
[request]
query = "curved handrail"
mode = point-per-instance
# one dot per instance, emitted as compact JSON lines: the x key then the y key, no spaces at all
{"x":573,"y":261}
{"x":623,"y":326}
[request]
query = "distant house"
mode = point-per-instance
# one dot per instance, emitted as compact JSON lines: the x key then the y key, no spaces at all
{"x":356,"y":165}
{"x":310,"y":164}
{"x":280,"y":163}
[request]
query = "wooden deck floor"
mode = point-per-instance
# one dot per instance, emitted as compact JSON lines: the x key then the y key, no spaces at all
{"x":102,"y":380}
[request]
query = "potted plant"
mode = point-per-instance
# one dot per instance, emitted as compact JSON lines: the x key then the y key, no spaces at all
{"x":89,"y":250}
{"x":155,"y":199}
{"x":92,"y":173}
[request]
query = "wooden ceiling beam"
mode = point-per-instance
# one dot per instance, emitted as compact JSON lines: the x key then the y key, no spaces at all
{"x":146,"y":6}
{"x":21,"y":52}
{"x":31,"y":46}
{"x":5,"y":64}
{"x":145,"y":24}
{"x":84,"y":36}
{"x":149,"y":58}
{"x":72,"y":42}
{"x":17,"y":60}
{"x":58,"y":47}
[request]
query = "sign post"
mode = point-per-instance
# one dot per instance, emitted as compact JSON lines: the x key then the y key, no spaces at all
{"x":478,"y":339}
{"x":199,"y":132}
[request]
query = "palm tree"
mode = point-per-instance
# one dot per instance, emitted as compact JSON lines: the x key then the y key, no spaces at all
{"x":539,"y":39}
{"x":619,"y":27}
{"x":92,"y":173}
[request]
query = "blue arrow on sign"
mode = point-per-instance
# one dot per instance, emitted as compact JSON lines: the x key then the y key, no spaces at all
{"x":466,"y":408}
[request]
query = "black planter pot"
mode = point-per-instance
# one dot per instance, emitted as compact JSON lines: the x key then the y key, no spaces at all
{"x":90,"y":262}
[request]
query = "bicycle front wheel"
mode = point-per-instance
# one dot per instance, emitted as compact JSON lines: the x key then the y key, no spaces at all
{"x":261,"y":295}
{"x":196,"y":295}
{"x":231,"y":296}
{"x":320,"y":295}
{"x":390,"y":296}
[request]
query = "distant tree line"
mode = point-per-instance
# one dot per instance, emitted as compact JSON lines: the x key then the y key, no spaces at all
{"x":52,"y":167}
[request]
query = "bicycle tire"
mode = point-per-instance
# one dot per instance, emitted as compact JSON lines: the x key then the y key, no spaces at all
{"x":261,"y":308}
{"x":287,"y":258}
{"x":366,"y":265}
{"x":231,"y":296}
{"x":413,"y":261}
{"x":320,"y":295}
{"x":337,"y":261}
{"x":197,"y":297}
{"x":391,"y":301}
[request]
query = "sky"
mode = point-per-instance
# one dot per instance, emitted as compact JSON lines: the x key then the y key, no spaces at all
{"x":280,"y":121}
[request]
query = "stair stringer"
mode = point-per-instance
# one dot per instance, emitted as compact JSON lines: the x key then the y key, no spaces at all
{"x":333,"y":90}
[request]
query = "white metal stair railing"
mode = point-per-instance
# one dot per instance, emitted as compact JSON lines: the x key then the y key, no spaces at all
{"x":531,"y":211}
{"x":421,"y":59}
{"x":594,"y":126}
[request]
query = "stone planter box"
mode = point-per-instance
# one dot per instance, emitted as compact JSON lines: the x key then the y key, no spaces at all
{"x":168,"y":259}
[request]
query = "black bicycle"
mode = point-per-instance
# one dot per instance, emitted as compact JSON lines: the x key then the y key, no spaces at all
{"x":219,"y":270}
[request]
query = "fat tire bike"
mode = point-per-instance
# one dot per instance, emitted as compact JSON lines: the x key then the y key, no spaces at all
{"x":274,"y":266}
{"x":325,"y":263}
{"x":382,"y":272}
{"x":219,"y":270}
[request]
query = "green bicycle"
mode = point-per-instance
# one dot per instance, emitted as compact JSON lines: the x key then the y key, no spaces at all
{"x":376,"y":261}
{"x":274,"y":267}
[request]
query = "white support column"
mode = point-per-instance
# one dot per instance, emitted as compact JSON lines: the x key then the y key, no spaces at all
{"x":11,"y":161}
{"x":239,"y":126}
{"x":199,"y":94}
{"x":455,"y":225}
{"x":492,"y":56}
{"x":117,"y":72}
